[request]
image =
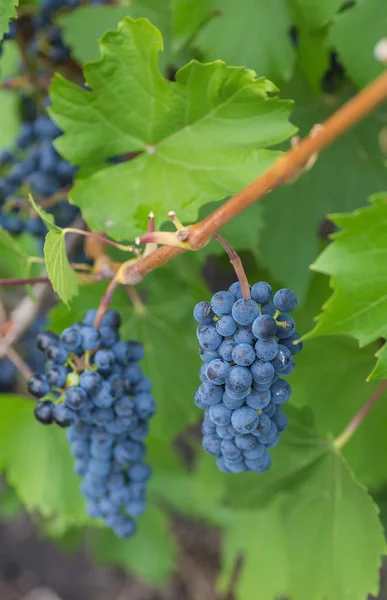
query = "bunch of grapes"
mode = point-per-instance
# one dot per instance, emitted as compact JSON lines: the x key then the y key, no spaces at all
{"x":94,"y":387}
{"x":36,"y":166}
{"x":247,"y":345}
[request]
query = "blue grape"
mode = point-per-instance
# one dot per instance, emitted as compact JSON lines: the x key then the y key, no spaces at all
{"x":226,"y":326}
{"x":291,"y":346}
{"x":44,"y":412}
{"x":38,"y":386}
{"x":285,"y":332}
{"x":268,"y":309}
{"x":282,"y":359}
{"x":217,"y":370}
{"x":71,"y":339}
{"x":220,"y":414}
{"x":280,"y":391}
{"x":222,"y":303}
{"x":261,"y":292}
{"x":243,"y":355}
{"x":203,"y":313}
{"x":245,"y":311}
{"x":246,"y":442}
{"x":264,"y":327}
{"x":208,"y":355}
{"x":91,"y":338}
{"x":232,"y":403}
{"x":238,"y":379}
{"x":266,"y":350}
{"x":212,"y":444}
{"x":225,"y":349}
{"x":245,"y":419}
{"x":262,"y":372}
{"x":230,"y":451}
{"x":208,"y":337}
{"x":258,"y":400}
{"x":285,"y":300}
{"x":244,"y":335}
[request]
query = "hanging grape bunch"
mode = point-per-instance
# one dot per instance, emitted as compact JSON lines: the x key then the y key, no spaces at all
{"x":247,"y":345}
{"x":94,"y":387}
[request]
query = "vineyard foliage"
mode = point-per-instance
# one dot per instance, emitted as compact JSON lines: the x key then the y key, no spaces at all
{"x":177,"y":105}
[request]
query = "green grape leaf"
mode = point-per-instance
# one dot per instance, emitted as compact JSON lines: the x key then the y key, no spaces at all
{"x":47,"y":219}
{"x":188,"y":16}
{"x":198,"y":139}
{"x":63,"y":278}
{"x":38,"y":464}
{"x":8,"y":241}
{"x":83,"y":27}
{"x":315,"y":14}
{"x":355,"y":33}
{"x":7,"y":12}
{"x":313,"y":55}
{"x":318,"y":383}
{"x":344,"y":175}
{"x":355,"y":262}
{"x":380,"y":370}
{"x":335,"y":537}
{"x":327,"y":515}
{"x":266,"y":27}
{"x":150,"y":554}
{"x":260,"y":538}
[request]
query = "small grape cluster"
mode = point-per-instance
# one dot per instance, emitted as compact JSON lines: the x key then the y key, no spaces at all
{"x":36,"y":164}
{"x":247,"y":345}
{"x":94,"y":387}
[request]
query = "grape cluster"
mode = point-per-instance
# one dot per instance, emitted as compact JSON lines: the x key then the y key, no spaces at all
{"x":34,"y":165}
{"x":247,"y":345}
{"x":94,"y":387}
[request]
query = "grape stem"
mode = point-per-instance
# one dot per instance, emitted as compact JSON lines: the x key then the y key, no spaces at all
{"x":357,"y":420}
{"x":106,"y":300}
{"x":102,"y":238}
{"x":285,"y":168}
{"x":236,"y":263}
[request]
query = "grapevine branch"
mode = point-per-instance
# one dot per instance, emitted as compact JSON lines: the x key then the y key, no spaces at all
{"x":283,"y":170}
{"x":357,"y":420}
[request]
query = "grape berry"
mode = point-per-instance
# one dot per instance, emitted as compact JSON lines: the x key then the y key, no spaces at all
{"x":247,"y":345}
{"x":94,"y":387}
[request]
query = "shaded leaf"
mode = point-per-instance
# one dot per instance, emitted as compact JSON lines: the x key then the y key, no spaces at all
{"x":344,"y":175}
{"x":264,"y":24}
{"x":335,"y":537}
{"x":355,"y":33}
{"x":38,"y":464}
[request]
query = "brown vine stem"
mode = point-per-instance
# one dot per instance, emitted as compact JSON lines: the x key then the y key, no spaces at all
{"x":357,"y":420}
{"x":26,"y":281}
{"x":282,"y":171}
{"x":236,"y":263}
